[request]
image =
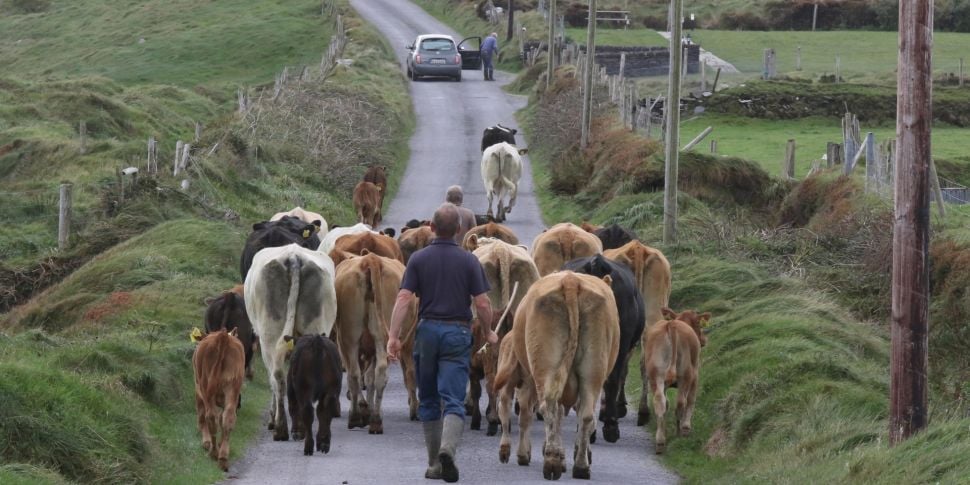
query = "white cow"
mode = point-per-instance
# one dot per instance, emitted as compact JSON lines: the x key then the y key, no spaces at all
{"x":305,"y":216}
{"x":289,"y":291}
{"x":501,"y":170}
{"x":326,"y":244}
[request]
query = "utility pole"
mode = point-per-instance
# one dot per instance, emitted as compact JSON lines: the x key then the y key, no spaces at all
{"x":910,"y":281}
{"x":510,"y":31}
{"x":672,"y":104}
{"x":551,"y":64}
{"x":588,"y":74}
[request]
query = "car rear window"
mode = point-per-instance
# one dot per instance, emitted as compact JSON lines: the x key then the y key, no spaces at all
{"x":437,"y":45}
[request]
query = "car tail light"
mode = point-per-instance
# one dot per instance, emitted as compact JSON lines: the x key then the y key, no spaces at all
{"x":457,"y":58}
{"x":417,"y":58}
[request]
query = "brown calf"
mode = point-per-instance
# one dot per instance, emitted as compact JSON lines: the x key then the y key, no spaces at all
{"x":413,"y":240}
{"x":377,"y":175}
{"x":218,"y":363}
{"x":671,"y":357}
{"x":367,"y":203}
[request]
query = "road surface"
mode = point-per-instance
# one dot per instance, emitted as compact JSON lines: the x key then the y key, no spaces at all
{"x":444,"y":151}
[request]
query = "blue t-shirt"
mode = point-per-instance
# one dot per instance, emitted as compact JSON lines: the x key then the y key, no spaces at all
{"x":489,"y":46}
{"x":445,"y":277}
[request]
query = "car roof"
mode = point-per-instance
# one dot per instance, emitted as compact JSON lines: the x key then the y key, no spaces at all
{"x":429,"y":36}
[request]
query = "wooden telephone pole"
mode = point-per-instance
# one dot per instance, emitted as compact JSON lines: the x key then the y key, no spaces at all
{"x":672,"y":104}
{"x":551,"y":64}
{"x":510,"y":28}
{"x":588,"y":74}
{"x":910,"y":280}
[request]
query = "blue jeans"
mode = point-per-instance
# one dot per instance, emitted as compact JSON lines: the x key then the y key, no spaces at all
{"x":442,"y":352}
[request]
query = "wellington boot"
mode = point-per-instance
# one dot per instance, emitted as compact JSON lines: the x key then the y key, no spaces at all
{"x":450,"y":436}
{"x":432,"y":440}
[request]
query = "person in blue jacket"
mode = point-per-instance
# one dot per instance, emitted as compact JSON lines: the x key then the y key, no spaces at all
{"x":489,"y":49}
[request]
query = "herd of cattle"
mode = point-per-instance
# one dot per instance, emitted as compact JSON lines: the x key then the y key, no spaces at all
{"x":569,"y":314}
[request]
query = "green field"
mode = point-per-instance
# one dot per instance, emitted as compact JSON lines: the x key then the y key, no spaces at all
{"x":633,"y":37}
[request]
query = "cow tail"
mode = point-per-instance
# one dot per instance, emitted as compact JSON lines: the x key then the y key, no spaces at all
{"x":672,"y":338}
{"x":294,"y":264}
{"x":505,"y":278}
{"x":214,"y":380}
{"x":570,"y":290}
{"x":228,"y":303}
{"x":374,"y":292}
{"x":647,"y":263}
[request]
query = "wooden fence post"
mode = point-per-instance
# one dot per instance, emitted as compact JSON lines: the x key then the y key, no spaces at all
{"x":82,"y":130}
{"x":588,"y":74}
{"x":703,"y":76}
{"x":961,"y":73}
{"x":870,"y":162}
{"x":833,"y":154}
{"x":198,"y":131}
{"x":838,"y":69}
{"x":713,"y":146}
{"x":716,"y":77}
{"x":909,"y":365}
{"x":788,"y":167}
{"x":64,"y":216}
{"x":178,"y":156}
{"x":673,"y":124}
{"x":798,"y":58}
{"x":550,"y":65}
{"x":814,"y":15}
{"x":698,"y":139}
{"x":768,"y":64}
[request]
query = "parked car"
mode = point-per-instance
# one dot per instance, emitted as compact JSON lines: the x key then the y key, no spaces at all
{"x":438,"y":55}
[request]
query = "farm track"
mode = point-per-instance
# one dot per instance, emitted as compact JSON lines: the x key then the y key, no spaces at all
{"x":444,"y":151}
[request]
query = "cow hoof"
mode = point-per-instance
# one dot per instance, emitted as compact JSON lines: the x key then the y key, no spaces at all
{"x":323,"y":446}
{"x":592,"y":437}
{"x":207,"y":445}
{"x":281,"y":436}
{"x":685,"y":430}
{"x":643,"y":418}
{"x":660,"y":448}
{"x":356,"y":420}
{"x":504,"y":451}
{"x":581,"y":473}
{"x":224,"y":464}
{"x":376,"y":426}
{"x":524,"y":460}
{"x":308,"y":449}
{"x":414,"y":416}
{"x":492,"y":429}
{"x":476,"y":423}
{"x":611,"y":433}
{"x":296,"y":435}
{"x":539,"y":417}
{"x":271,"y":425}
{"x":621,"y":411}
{"x":551,"y":470}
{"x":249,"y":373}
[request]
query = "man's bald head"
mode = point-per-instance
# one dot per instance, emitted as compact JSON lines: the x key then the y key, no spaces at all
{"x":446,"y":221}
{"x":455,"y":195}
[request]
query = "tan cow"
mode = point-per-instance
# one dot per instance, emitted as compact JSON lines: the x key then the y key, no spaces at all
{"x":413,"y":240}
{"x":565,"y":339}
{"x":652,"y":272}
{"x":371,"y":241}
{"x":307,"y":217}
{"x":561,"y":243}
{"x":366,"y":289}
{"x":367,"y":203}
{"x":377,"y":175}
{"x":219,"y":363}
{"x":492,"y":230}
{"x":671,"y":356}
{"x":504,"y":265}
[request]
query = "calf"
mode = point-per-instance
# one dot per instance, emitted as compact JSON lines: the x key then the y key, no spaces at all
{"x":272,"y":234}
{"x":218,"y":366}
{"x":314,"y":376}
{"x":501,"y":171}
{"x":560,"y":243}
{"x":629,"y":305}
{"x":492,"y":230}
{"x":367,"y":203}
{"x":565,"y":339}
{"x":337,"y":233}
{"x":377,"y":175}
{"x":228,"y":312}
{"x":413,"y":240}
{"x":671,"y":357}
{"x":497,"y":134}
{"x":614,"y":236}
{"x":305,"y":216}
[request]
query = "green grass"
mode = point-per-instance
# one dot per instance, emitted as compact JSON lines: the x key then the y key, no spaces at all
{"x":632,"y":37}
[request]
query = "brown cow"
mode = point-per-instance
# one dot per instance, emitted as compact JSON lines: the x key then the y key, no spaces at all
{"x":504,"y":265}
{"x":671,"y":356}
{"x":561,"y":243}
{"x":367,"y":203}
{"x":373,"y":242}
{"x":565,"y":340}
{"x":413,"y":240}
{"x":377,"y":175}
{"x":652,"y":273}
{"x":366,"y":289}
{"x":219,"y":363}
{"x":492,"y":230}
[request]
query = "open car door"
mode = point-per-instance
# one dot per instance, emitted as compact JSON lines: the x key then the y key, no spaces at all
{"x":471,"y":53}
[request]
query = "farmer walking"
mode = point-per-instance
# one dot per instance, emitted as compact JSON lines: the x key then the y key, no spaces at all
{"x":448,"y":280}
{"x":489,"y":48}
{"x":456,"y":196}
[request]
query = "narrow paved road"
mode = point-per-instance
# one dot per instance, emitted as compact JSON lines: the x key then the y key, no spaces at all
{"x":444,"y":151}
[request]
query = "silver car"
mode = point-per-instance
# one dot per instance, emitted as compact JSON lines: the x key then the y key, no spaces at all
{"x":437,"y":55}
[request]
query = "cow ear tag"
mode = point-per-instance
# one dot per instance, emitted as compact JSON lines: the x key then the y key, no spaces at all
{"x":705,"y":322}
{"x":289,"y":345}
{"x":306,"y":234}
{"x":195,"y":335}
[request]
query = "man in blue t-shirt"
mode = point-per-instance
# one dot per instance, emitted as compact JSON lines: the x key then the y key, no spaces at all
{"x":489,"y":48}
{"x":448,"y":280}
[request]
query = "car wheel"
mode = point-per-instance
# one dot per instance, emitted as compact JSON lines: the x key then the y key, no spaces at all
{"x":458,"y":78}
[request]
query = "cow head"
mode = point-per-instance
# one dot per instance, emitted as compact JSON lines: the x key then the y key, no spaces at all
{"x":614,"y":236}
{"x":590,"y":228}
{"x":697,"y":321}
{"x":389,"y":232}
{"x":597,"y":266}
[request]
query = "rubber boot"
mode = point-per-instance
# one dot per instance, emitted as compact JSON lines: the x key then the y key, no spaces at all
{"x":491,"y":74}
{"x":485,"y":73}
{"x":432,"y":441}
{"x":450,"y":436}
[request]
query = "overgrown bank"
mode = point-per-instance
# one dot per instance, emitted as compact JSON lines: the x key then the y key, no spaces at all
{"x":794,"y":380}
{"x":97,"y":380}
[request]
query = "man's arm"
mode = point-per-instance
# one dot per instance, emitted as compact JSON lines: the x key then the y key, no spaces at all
{"x":401,"y":304}
{"x":484,"y":308}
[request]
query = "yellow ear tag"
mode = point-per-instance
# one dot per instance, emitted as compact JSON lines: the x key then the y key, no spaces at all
{"x":195,"y":335}
{"x":289,"y":345}
{"x":306,"y":233}
{"x":705,"y":322}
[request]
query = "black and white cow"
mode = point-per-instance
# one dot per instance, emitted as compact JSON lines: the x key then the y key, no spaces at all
{"x":498,"y":134}
{"x":272,"y":234}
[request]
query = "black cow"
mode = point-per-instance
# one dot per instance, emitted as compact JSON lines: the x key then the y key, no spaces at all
{"x":498,"y":134}
{"x":315,"y":375}
{"x":630,"y":306}
{"x":614,"y":236}
{"x":272,"y":234}
{"x":228,"y":311}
